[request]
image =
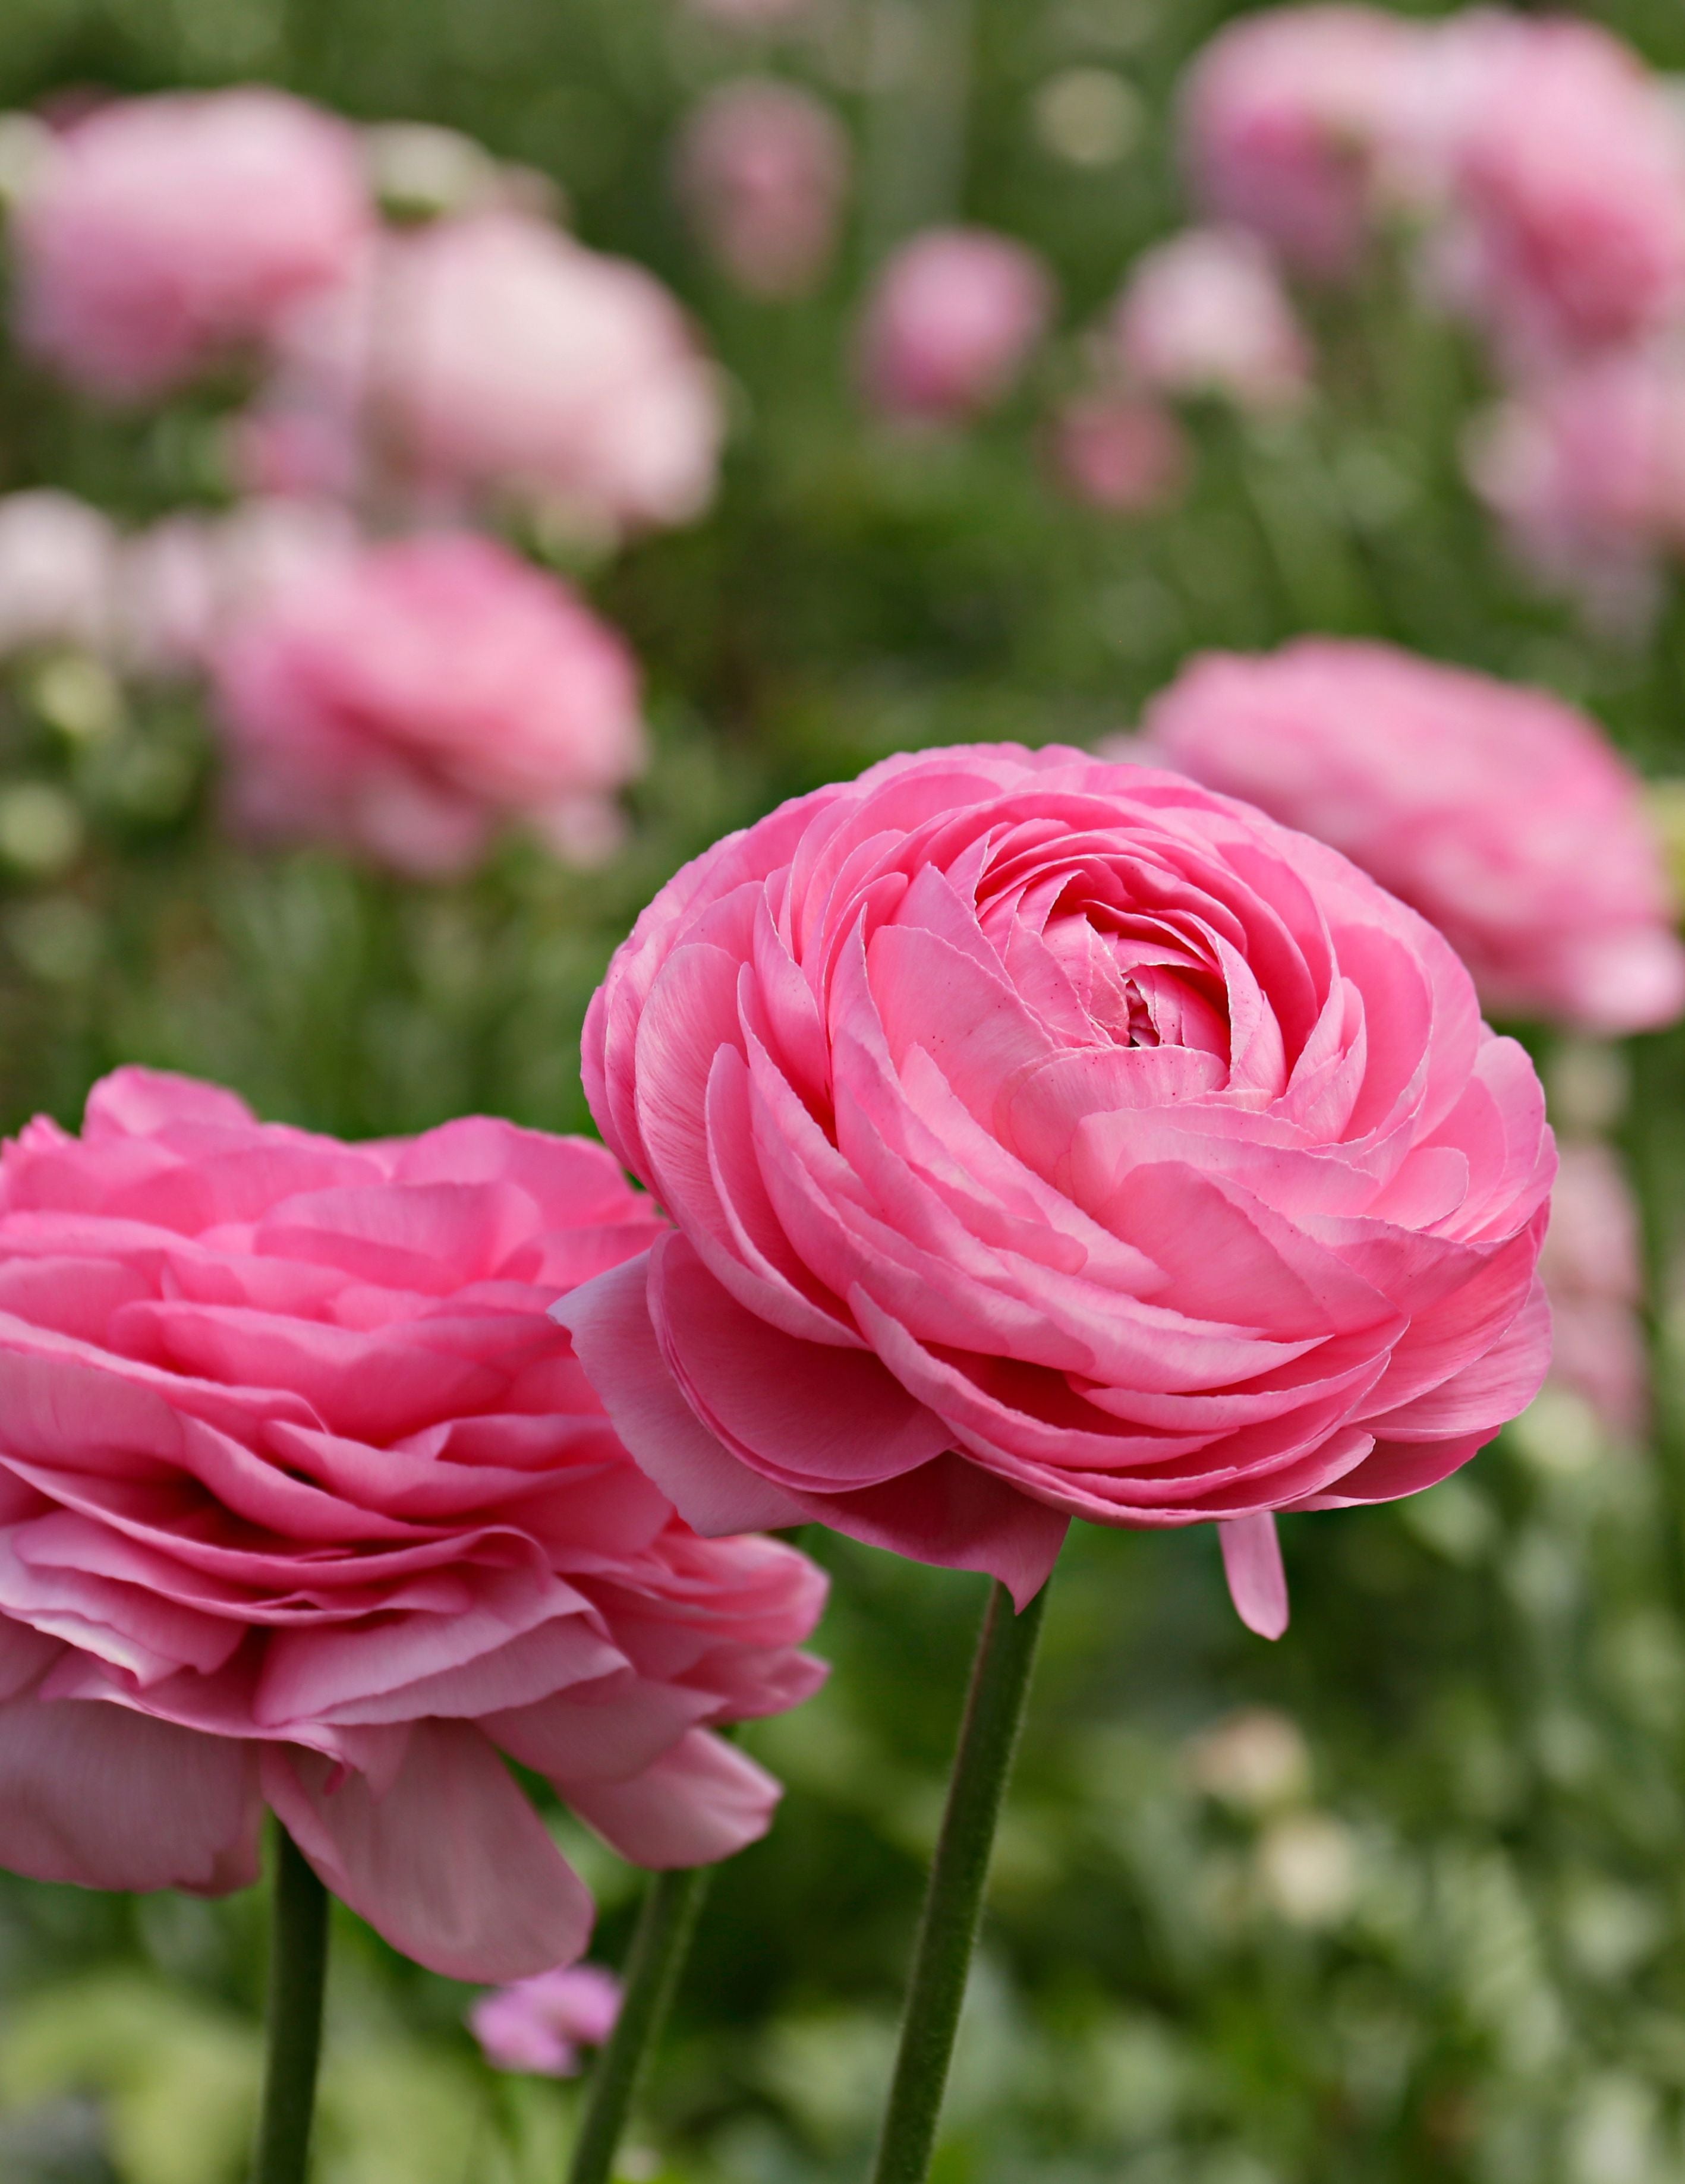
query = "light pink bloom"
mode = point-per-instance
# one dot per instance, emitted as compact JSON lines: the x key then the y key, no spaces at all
{"x":305,"y":1503}
{"x":1500,"y":813}
{"x":540,"y":2023}
{"x":1587,"y":471}
{"x":751,"y":14}
{"x":951,"y":323}
{"x":1593,"y":1275}
{"x":1292,"y":119}
{"x":410,"y":700}
{"x":1049,"y":1138}
{"x":495,"y":354}
{"x":58,"y":559}
{"x":762,"y":167}
{"x":183,"y":582}
{"x":1564,"y":168}
{"x":1119,"y":451}
{"x":165,"y":233}
{"x":1206,"y":313}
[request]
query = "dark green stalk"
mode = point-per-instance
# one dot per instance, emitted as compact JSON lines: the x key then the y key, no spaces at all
{"x":953,"y":1903}
{"x":298,"y":1972}
{"x":653,"y":1967}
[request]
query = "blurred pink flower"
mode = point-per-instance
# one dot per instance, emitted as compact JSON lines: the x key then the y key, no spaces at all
{"x":1500,"y":813}
{"x":1593,"y":1275}
{"x":58,"y":561}
{"x":1206,"y":313}
{"x":164,"y":233}
{"x":540,"y":2023}
{"x":411,"y":699}
{"x":1051,"y":1138}
{"x":762,"y":167}
{"x":494,"y":353}
{"x":1564,"y":173}
{"x":1291,"y":119}
{"x":751,"y":14}
{"x":1587,"y":471}
{"x":950,"y":322}
{"x":185,"y":581}
{"x":1119,"y":451}
{"x":307,"y":1503}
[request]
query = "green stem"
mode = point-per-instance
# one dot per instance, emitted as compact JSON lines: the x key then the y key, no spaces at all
{"x":953,"y":1904}
{"x":653,"y":1967}
{"x":297,"y":1971}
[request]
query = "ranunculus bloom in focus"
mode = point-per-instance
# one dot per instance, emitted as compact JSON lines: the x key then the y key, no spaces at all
{"x":1291,"y":117}
{"x":950,"y":322}
{"x":1500,"y":813}
{"x":1206,"y":313}
{"x":164,"y":232}
{"x":1593,"y":1275}
{"x":408,"y":701}
{"x":540,"y":2023}
{"x":307,"y":1503}
{"x":1049,"y":1138}
{"x":1586,"y":470}
{"x":1119,"y":451}
{"x":1566,"y":175}
{"x":58,"y":556}
{"x":762,"y":167}
{"x":495,"y":354}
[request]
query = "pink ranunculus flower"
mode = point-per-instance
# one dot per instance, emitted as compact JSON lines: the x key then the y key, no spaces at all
{"x":308,"y":1504}
{"x":1293,"y":120}
{"x":1206,"y":313}
{"x":539,"y":2025}
{"x":164,"y":234}
{"x":1500,"y":813}
{"x":1119,"y":451}
{"x":951,"y":323}
{"x":1586,"y":470}
{"x":762,"y":167}
{"x":1050,"y":1138}
{"x":1593,"y":1267}
{"x":493,"y":354}
{"x":1564,"y":173}
{"x":410,"y":700}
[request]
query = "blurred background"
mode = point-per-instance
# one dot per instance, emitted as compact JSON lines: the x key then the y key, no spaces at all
{"x":1399,"y":1898}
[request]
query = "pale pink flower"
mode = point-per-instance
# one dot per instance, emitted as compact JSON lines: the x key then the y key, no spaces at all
{"x":1564,"y":173}
{"x":165,"y":234}
{"x":1593,"y":1275}
{"x":1586,"y":468}
{"x":183,"y":582}
{"x":539,"y":2025}
{"x":951,"y":323}
{"x":1500,"y":813}
{"x":1049,"y":1138}
{"x":1119,"y":451}
{"x":304,"y":1503}
{"x":762,"y":167}
{"x":751,"y":14}
{"x":1206,"y":313}
{"x":1292,"y":120}
{"x":58,"y":557}
{"x":495,"y":354}
{"x":410,"y":700}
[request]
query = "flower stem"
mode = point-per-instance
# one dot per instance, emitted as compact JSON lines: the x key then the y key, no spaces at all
{"x":297,"y":1971}
{"x":953,"y":1903}
{"x":653,"y":1966}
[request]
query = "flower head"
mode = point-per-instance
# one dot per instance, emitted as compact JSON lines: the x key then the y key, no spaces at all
{"x":306,"y":1502}
{"x":951,"y":323}
{"x":540,"y":2023}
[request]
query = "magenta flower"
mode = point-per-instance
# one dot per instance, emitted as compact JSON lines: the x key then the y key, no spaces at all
{"x":1500,"y":813}
{"x":1048,"y":1138}
{"x":410,"y":700}
{"x":539,"y":2025}
{"x":162,"y":233}
{"x":951,"y":324}
{"x":305,"y":1503}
